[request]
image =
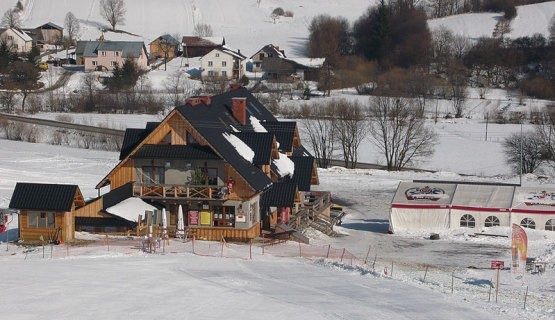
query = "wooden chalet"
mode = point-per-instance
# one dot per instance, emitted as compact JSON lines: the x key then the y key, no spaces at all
{"x":306,"y":69}
{"x":195,"y":158}
{"x":46,"y":210}
{"x":165,"y":46}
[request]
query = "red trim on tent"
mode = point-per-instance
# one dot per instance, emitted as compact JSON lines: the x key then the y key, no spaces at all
{"x":420,"y":206}
{"x":532,"y":211}
{"x":481,"y":209}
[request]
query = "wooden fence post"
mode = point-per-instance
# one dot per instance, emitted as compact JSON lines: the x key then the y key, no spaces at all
{"x":342,"y":254}
{"x":300,"y":251}
{"x":328,"y":254}
{"x":250,"y":249}
{"x":425,"y":274}
{"x":367,"y":253}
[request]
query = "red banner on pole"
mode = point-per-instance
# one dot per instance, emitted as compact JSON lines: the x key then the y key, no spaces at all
{"x":519,"y":248}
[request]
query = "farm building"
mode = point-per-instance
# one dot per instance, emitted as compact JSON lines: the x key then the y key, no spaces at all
{"x":429,"y":205}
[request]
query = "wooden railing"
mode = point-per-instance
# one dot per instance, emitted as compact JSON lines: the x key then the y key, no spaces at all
{"x":313,"y":205}
{"x":194,"y":192}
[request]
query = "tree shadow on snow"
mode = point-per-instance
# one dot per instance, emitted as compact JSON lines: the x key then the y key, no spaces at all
{"x":371,"y":225}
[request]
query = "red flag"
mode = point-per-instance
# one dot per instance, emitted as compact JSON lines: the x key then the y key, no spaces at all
{"x":519,"y":247}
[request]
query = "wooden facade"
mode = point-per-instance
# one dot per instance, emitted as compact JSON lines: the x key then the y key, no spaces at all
{"x":31,"y":230}
{"x":216,"y":234}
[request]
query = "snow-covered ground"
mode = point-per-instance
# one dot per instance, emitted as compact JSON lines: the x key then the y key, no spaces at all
{"x":179,"y":282}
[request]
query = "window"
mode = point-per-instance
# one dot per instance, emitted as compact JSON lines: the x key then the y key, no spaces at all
{"x":528,"y":223}
{"x":103,"y":53}
{"x":210,"y":63}
{"x":154,"y":175}
{"x":468,"y":221}
{"x":224,"y":73}
{"x":41,"y":220}
{"x":212,"y":174}
{"x":261,"y":56}
{"x":114,"y":63}
{"x":550,"y":225}
{"x":94,"y":63}
{"x":211,"y":73}
{"x":224,"y":63}
{"x":223,"y":216}
{"x":116,"y":53}
{"x":217,"y":54}
{"x":492,"y":221}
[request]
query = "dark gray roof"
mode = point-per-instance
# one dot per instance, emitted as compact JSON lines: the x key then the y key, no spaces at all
{"x":117,"y":195}
{"x":50,"y":25}
{"x":260,"y":143}
{"x":284,"y":132}
{"x":132,"y":139}
{"x":48,"y":197}
{"x":113,"y":221}
{"x":213,"y":120}
{"x":281,"y":194}
{"x":129,"y":49}
{"x":302,"y":176}
{"x":168,"y":39}
{"x":156,"y":151}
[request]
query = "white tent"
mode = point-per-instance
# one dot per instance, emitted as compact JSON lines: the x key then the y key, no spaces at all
{"x":421,"y":205}
{"x":478,"y":206}
{"x":534,"y":207}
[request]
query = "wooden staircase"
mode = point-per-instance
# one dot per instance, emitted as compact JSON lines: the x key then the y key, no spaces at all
{"x":314,"y":213}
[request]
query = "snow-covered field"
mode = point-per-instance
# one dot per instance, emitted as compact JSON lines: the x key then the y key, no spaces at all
{"x":134,"y":284}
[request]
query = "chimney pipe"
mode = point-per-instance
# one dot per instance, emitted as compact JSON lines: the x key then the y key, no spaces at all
{"x":239,"y":109}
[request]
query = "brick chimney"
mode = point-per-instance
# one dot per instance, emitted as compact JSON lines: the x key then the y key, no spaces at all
{"x":234,"y":86}
{"x":239,"y":109}
{"x":193,"y":101}
{"x":206,"y":99}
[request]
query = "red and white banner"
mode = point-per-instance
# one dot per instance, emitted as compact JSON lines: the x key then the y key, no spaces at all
{"x":519,"y":247}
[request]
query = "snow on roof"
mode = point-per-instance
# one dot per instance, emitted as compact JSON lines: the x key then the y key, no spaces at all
{"x":417,"y":193}
{"x":256,"y":125}
{"x":309,"y":62}
{"x":241,"y":147}
{"x":130,"y":208}
{"x":539,"y":199}
{"x":24,"y":36}
{"x":285,"y":166}
{"x":483,"y":196}
{"x":215,"y":40}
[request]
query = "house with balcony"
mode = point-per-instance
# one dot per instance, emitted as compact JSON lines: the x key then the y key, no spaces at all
{"x":223,"y":63}
{"x":105,"y":55}
{"x":226,"y":160}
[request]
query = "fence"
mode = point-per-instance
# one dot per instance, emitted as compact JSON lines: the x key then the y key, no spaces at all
{"x":466,"y":283}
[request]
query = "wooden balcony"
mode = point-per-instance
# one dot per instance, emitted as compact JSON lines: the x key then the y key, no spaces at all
{"x":174,"y":191}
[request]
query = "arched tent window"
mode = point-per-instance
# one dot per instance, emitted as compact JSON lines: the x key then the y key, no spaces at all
{"x":528,"y":223}
{"x":468,"y":221}
{"x":492,"y":221}
{"x":550,"y":225}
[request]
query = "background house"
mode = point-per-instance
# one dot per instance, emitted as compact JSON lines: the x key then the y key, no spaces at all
{"x":304,"y":69}
{"x":104,"y":55}
{"x":165,"y":46}
{"x":223,"y":63}
{"x":268,"y":51}
{"x":19,"y":41}
{"x":199,"y":46}
{"x":46,"y":34}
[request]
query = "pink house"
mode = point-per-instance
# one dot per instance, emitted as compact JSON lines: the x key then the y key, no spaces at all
{"x":105,"y":55}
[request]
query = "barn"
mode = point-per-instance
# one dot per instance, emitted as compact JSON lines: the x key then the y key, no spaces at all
{"x":421,"y":205}
{"x":481,"y":205}
{"x":534,"y":208}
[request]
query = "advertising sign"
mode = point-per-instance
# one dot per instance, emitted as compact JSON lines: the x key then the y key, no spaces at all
{"x":193,"y":218}
{"x":205,"y":218}
{"x":519,"y":248}
{"x":497,"y":264}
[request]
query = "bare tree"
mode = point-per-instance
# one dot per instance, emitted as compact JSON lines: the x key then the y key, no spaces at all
{"x":351,"y":129}
{"x":177,"y":88}
{"x":72,"y":26}
{"x":11,"y":19}
{"x":113,"y":11}
{"x":457,"y":78}
{"x":320,"y":126}
{"x":398,"y":132}
{"x":525,"y":152}
{"x":203,"y":30}
{"x":502,"y":27}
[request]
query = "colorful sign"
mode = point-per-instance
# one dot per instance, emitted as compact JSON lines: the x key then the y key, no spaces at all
{"x":425,"y":193}
{"x":193,"y":218}
{"x":205,"y":218}
{"x":497,"y":264}
{"x":519,"y":248}
{"x":542,"y":198}
{"x":240,"y":217}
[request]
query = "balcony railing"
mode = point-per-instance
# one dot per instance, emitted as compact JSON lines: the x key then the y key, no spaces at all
{"x":175,"y":191}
